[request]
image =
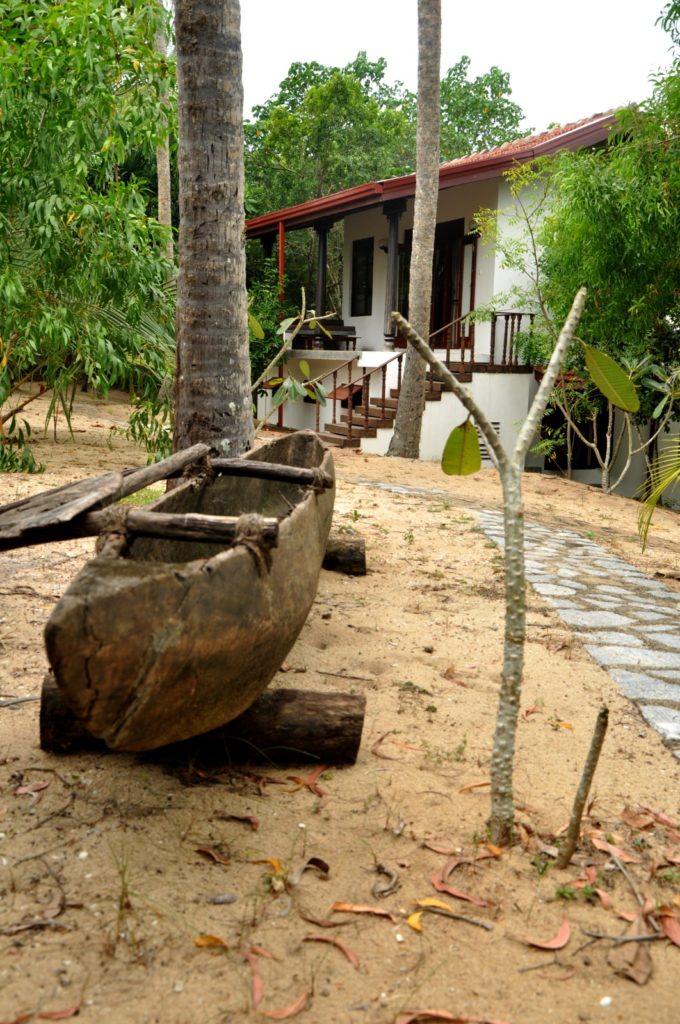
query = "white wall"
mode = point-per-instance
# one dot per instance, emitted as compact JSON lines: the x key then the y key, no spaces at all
{"x":301,"y":415}
{"x":504,"y":278}
{"x":636,"y":474}
{"x":504,"y":397}
{"x":461,"y":202}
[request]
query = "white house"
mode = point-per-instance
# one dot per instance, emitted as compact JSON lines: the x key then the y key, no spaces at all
{"x":361,"y":366}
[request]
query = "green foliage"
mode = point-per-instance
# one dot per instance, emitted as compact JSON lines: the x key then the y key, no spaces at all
{"x":461,"y":455}
{"x":611,"y":379}
{"x":614,"y":225}
{"x":326,"y":129}
{"x":15,"y":453}
{"x":476,"y":114}
{"x":329,"y":128}
{"x":663,"y":476}
{"x":82,"y":271}
{"x":265,"y":307}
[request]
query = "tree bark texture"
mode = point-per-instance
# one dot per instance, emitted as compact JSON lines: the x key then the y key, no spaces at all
{"x":163,"y":177}
{"x":587,"y":777}
{"x":407,"y":425}
{"x":502,"y":804}
{"x":213,"y":400}
{"x":510,"y":468}
{"x":345,"y":554}
{"x":282,"y":726}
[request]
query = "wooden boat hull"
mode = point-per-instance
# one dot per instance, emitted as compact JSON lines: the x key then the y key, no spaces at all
{"x":179,"y":637}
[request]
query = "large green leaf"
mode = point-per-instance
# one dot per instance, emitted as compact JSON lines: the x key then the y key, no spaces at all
{"x":664,"y":474}
{"x":255,"y":327}
{"x":461,"y":455}
{"x":611,"y":379}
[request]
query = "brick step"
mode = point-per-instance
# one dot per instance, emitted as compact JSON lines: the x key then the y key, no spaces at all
{"x":461,"y":372}
{"x":343,"y":430}
{"x":338,"y":441}
{"x":375,"y":411}
{"x":430,"y":396}
{"x":376,"y":420}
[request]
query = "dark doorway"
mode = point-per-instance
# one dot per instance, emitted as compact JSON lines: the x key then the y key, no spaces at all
{"x":447,"y":280}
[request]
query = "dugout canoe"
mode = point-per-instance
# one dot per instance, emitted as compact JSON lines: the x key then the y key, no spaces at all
{"x":172,"y":638}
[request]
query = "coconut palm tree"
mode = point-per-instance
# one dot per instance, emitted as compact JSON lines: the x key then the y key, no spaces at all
{"x":213,"y":401}
{"x":406,"y":437}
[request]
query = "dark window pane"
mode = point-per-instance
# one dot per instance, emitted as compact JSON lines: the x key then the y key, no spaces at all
{"x":362,"y":277}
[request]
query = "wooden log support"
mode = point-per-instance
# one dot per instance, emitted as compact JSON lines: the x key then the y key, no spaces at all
{"x":346,"y":554}
{"x":282,"y":726}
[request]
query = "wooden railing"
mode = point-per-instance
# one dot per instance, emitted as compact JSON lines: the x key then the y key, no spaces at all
{"x":360,"y":384}
{"x":505,"y":326}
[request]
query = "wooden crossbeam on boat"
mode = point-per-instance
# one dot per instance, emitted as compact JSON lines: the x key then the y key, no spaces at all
{"x":274,"y":471}
{"x":75,"y":510}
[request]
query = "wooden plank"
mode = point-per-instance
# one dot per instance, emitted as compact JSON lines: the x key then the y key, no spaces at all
{"x":30,"y":520}
{"x":49,"y":508}
{"x":163,"y":470}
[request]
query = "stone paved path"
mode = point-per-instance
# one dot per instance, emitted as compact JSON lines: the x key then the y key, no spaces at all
{"x":629,"y":623}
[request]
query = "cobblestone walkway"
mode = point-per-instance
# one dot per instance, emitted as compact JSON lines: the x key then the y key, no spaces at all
{"x":629,"y":623}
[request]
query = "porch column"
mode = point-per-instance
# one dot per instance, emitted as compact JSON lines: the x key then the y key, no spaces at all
{"x":392,"y":212}
{"x":322,"y":229}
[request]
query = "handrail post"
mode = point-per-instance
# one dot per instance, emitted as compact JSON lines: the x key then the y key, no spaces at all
{"x":492,"y":350}
{"x":335,"y":393}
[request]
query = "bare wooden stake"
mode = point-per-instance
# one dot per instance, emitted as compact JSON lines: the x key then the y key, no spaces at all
{"x":574,"y":829}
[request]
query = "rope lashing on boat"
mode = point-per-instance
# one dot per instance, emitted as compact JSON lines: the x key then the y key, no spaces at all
{"x":113,"y":538}
{"x":250,"y":533}
{"x":320,"y":483}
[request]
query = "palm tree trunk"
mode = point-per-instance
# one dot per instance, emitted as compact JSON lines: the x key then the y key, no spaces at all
{"x":213,"y":401}
{"x":163,"y":169}
{"x":407,"y":425}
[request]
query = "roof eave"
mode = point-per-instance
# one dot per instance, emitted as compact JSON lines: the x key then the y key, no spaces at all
{"x":458,"y":172}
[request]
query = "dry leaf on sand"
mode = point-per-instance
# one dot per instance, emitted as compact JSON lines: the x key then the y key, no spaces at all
{"x":558,"y":941}
{"x":633,"y":959}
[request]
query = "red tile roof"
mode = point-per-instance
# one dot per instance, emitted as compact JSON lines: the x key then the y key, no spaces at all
{"x":477,"y":167}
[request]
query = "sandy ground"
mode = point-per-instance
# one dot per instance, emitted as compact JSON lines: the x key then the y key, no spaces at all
{"x":132,"y":893}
